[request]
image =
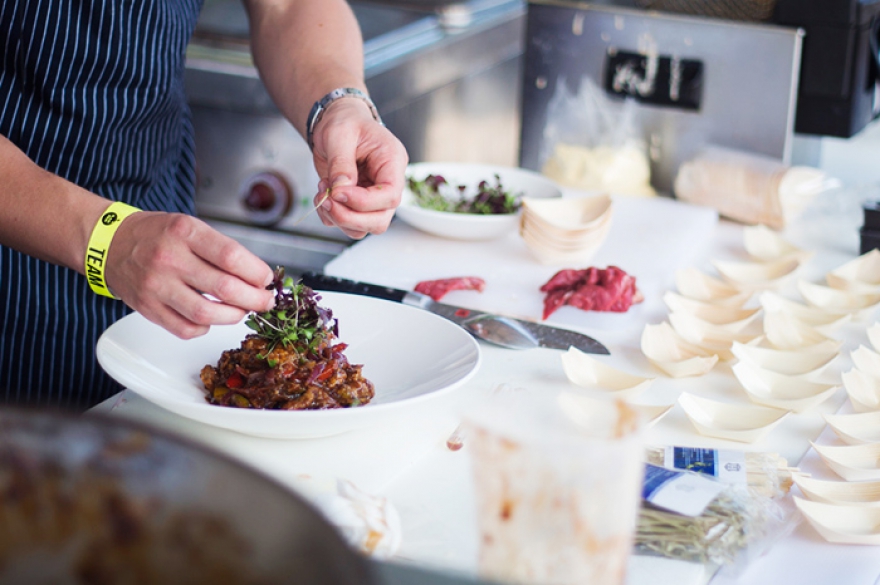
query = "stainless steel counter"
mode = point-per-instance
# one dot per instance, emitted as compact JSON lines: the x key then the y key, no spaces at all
{"x":445,"y":77}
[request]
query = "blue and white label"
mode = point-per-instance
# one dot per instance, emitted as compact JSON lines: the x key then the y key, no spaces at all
{"x":726,"y":464}
{"x":679,"y":491}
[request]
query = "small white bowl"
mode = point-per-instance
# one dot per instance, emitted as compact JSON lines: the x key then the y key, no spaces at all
{"x":571,"y":217}
{"x":863,"y":390}
{"x":735,"y":422}
{"x":784,"y":331}
{"x":863,"y":493}
{"x":765,"y":244}
{"x":651,"y":413}
{"x":696,"y":284}
{"x":824,"y":321}
{"x":836,"y":300}
{"x":713,"y":338}
{"x":672,"y":354}
{"x":755,"y":276}
{"x":852,"y":462}
{"x":588,"y":372}
{"x":867,"y":360}
{"x":873,"y":332}
{"x":735,"y":319}
{"x":780,"y":391}
{"x":855,"y":429}
{"x":565,"y":231}
{"x":809,"y":361}
{"x":842,"y":524}
{"x":859,"y":275}
{"x":471,"y":226}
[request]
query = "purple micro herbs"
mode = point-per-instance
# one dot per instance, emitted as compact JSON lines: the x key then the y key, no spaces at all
{"x":297,"y":320}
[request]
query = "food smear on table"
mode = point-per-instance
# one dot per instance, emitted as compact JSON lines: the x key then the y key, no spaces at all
{"x":292,"y":361}
{"x":437,"y":289}
{"x":437,"y":193}
{"x":591,"y":289}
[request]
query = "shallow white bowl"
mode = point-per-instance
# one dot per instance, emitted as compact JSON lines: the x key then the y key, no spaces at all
{"x":864,"y":493}
{"x":695,"y":284}
{"x":765,"y":244}
{"x":413,"y":357}
{"x":672,"y":354}
{"x":855,"y":429}
{"x":780,"y":390}
{"x":852,"y":462}
{"x":589,"y":372}
{"x":736,"y":422}
{"x":757,"y":276}
{"x":842,"y":523}
{"x":808,"y":361}
{"x":471,"y":226}
{"x":859,"y":275}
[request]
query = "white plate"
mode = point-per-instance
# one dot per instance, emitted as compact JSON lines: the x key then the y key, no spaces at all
{"x":471,"y":226}
{"x":411,"y":356}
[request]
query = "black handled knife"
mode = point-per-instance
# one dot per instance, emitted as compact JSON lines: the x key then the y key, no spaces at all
{"x":546,"y":335}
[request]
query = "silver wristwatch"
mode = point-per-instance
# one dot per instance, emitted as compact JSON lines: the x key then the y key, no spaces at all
{"x":317,"y":111}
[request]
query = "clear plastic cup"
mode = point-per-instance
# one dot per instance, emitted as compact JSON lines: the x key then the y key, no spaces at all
{"x":557,"y":483}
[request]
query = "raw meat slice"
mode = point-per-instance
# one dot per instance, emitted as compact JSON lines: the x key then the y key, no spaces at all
{"x":437,"y":289}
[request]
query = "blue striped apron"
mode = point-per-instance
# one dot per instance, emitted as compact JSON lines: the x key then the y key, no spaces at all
{"x":91,"y":90}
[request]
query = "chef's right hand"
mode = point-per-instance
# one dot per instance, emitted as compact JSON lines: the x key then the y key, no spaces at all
{"x":160,"y":263}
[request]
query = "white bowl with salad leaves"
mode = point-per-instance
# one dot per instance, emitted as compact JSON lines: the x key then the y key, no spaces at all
{"x":469,"y":201}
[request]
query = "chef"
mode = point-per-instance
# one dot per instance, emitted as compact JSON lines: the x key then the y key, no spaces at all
{"x":97,"y":175}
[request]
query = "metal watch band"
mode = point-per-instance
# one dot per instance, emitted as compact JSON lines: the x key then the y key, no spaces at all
{"x":320,"y":106}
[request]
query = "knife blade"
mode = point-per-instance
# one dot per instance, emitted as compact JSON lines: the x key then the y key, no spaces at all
{"x":547,"y":335}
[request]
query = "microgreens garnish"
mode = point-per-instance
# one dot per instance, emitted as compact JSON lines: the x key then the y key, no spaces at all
{"x":296,"y":319}
{"x":435,"y":192}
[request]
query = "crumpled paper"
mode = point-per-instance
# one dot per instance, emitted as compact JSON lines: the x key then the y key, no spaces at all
{"x":371,"y":524}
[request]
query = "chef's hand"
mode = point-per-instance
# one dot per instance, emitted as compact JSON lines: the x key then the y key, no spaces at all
{"x":159,"y":264}
{"x":363,"y":164}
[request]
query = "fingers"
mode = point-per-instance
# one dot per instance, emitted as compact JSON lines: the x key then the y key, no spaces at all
{"x":364,"y":166}
{"x":161,"y":263}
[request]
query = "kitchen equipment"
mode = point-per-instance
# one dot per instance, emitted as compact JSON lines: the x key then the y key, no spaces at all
{"x":547,"y":336}
{"x":442,"y":77}
{"x":501,"y":331}
{"x":98,"y":499}
{"x":839,"y":84}
{"x":695,"y":81}
{"x":111,"y":500}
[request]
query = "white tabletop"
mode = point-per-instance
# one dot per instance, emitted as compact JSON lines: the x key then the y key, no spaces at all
{"x":408,"y":461}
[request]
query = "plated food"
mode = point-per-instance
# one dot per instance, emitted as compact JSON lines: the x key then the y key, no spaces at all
{"x":412,"y":357}
{"x":467,"y":201}
{"x":293,"y":359}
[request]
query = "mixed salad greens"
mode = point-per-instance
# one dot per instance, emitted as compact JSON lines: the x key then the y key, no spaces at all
{"x":436,"y":193}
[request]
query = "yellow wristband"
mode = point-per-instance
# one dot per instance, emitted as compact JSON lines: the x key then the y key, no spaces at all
{"x":99,"y":244}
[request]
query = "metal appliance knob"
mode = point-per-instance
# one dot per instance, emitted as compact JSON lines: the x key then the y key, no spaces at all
{"x":267,"y":197}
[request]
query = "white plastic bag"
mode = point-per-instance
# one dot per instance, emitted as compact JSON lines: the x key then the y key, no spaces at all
{"x":593,"y":142}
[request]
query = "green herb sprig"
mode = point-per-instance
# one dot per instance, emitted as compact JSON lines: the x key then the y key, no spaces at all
{"x":297,"y":320}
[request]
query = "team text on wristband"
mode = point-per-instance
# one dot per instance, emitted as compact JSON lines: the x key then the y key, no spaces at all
{"x":99,"y":245}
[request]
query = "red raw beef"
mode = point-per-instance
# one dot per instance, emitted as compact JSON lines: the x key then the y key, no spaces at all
{"x":437,"y":289}
{"x":591,"y":289}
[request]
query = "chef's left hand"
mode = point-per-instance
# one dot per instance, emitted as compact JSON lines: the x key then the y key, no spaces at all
{"x":363,"y":164}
